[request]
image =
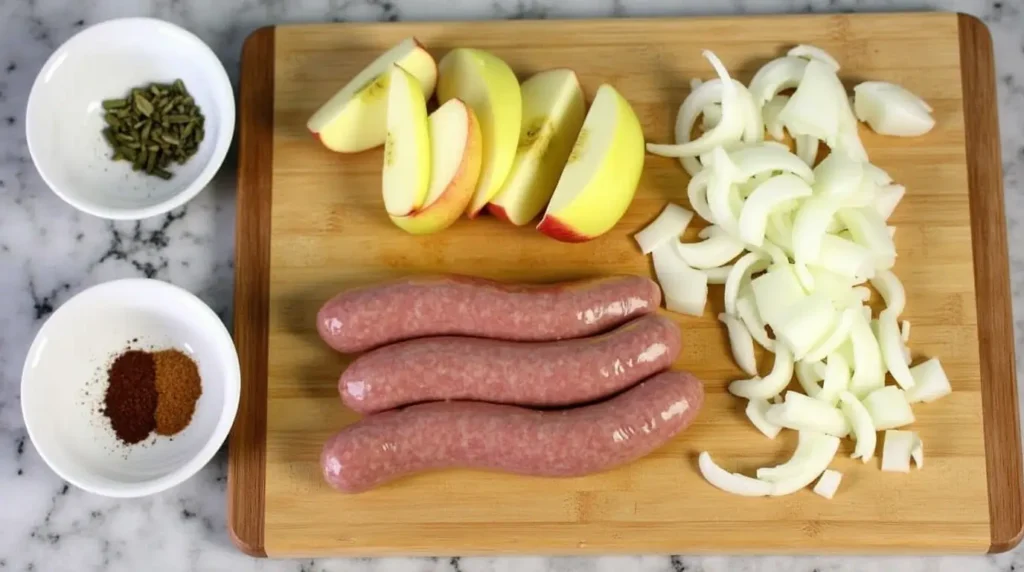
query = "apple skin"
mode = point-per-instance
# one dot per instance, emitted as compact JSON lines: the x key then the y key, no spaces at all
{"x":449,"y":206}
{"x":556,"y":229}
{"x":354,"y":119}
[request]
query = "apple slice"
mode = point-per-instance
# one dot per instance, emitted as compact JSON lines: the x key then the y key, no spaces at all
{"x":355,"y":118}
{"x":406,"y":171}
{"x":553,"y":110}
{"x":602,"y":172}
{"x":487,"y":85}
{"x":456,"y":150}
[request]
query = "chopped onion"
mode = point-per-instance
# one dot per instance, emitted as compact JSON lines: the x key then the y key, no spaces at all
{"x":868,"y":229}
{"x":756,"y":408}
{"x":845,"y":257}
{"x":804,"y":324}
{"x":697,"y":193}
{"x":892,"y":110}
{"x":805,"y":413}
{"x":868,"y":367}
{"x":809,"y":228}
{"x":888,"y":407}
{"x":780,"y":234}
{"x":775,"y":76}
{"x":893,"y":349}
{"x":775,"y":291}
{"x":814,"y":53}
{"x":734,"y":483}
{"x":839,"y":334}
{"x":670,"y":224}
{"x":807,"y":148}
{"x":720,"y":190}
{"x":772,"y":384}
{"x":828,"y":484}
{"x":807,"y":375}
{"x":863,"y":426}
{"x":747,"y":313}
{"x":905,"y":331}
{"x":838,"y":175}
{"x":812,"y":109}
{"x":712,"y":115}
{"x":685,"y":289}
{"x":739,"y":275}
{"x":897,"y":450}
{"x":814,"y":452}
{"x":887,"y":198}
{"x":766,"y":159}
{"x":741,"y":343}
{"x":718,"y":275}
{"x":717,"y":250}
{"x":770,"y":112}
{"x":837,"y":379}
{"x":876,"y":174}
{"x":766,"y":197}
{"x":930,"y":382}
{"x":891,"y":290}
{"x":838,"y":288}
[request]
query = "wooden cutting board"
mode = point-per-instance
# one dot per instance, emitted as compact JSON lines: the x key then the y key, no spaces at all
{"x":311,"y":222}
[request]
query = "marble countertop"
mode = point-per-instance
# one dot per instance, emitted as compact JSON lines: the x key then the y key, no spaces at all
{"x":48,"y":252}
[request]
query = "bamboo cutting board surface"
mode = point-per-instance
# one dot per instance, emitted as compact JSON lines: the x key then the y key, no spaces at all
{"x":311,"y":222}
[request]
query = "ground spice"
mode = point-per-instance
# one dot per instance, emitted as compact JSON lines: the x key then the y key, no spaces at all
{"x":131,"y":397}
{"x":178,"y":386}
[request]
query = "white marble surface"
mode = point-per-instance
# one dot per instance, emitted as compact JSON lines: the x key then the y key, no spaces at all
{"x":48,"y":252}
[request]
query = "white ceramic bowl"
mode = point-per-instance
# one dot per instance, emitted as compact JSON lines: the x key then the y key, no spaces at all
{"x":64,"y":121}
{"x":64,"y":380}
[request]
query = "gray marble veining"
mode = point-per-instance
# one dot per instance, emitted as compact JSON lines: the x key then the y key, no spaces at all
{"x":48,"y":252}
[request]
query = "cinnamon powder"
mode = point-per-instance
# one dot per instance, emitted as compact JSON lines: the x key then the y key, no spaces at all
{"x":178,"y":387}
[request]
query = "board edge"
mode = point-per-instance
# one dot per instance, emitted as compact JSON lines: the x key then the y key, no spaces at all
{"x":246,"y":486}
{"x":992,"y":285}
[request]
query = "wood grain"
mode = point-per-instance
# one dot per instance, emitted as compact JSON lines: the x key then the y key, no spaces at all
{"x":992,"y":285}
{"x":247,"y":449}
{"x":327,"y":231}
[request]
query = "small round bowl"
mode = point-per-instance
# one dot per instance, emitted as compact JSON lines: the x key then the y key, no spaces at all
{"x":64,"y":120}
{"x":65,"y":378}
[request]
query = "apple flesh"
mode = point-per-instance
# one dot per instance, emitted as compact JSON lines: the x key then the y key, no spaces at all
{"x":601,"y":174}
{"x":406,"y":171}
{"x":487,"y":85}
{"x":355,"y":118}
{"x":456,"y":150}
{"x":553,"y":112}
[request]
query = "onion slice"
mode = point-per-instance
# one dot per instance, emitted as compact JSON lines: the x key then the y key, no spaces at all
{"x":898,"y":449}
{"x":893,"y":349}
{"x":814,"y":452}
{"x":837,"y":379}
{"x":889,"y":408}
{"x":734,"y":483}
{"x":770,"y":113}
{"x":807,"y":376}
{"x":766,"y":198}
{"x":812,"y":109}
{"x":868,"y":367}
{"x":747,"y":313}
{"x":863,"y":426}
{"x":756,"y":409}
{"x":892,"y":110}
{"x":891,"y":290}
{"x":828,"y":484}
{"x":766,"y":159}
{"x":805,"y":413}
{"x":803,"y":325}
{"x":772,"y":384}
{"x":685,"y":289}
{"x":887,"y":198}
{"x":814,"y":53}
{"x":717,"y":250}
{"x":741,"y":343}
{"x":868,"y":229}
{"x":835,"y":339}
{"x":739,"y":275}
{"x":718,"y":275}
{"x":930,"y":382}
{"x":775,"y":76}
{"x":668,"y":225}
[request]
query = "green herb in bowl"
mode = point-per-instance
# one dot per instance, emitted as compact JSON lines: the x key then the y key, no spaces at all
{"x":153,"y":126}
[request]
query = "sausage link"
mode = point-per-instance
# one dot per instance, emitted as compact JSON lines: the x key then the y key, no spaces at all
{"x":468,"y":434}
{"x":535,"y":374}
{"x":364,"y":318}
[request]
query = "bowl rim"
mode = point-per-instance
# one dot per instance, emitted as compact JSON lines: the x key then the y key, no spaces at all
{"x":220,"y":82}
{"x":231,"y":387}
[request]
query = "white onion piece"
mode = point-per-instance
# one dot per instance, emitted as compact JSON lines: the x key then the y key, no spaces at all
{"x":848,"y":140}
{"x":837,"y":174}
{"x":739,"y":275}
{"x":741,"y":344}
{"x":892,"y":110}
{"x":897,"y":450}
{"x":775,"y":76}
{"x":718,"y":275}
{"x":888,"y":407}
{"x":767,"y":158}
{"x":685,"y":289}
{"x":846,"y":349}
{"x":807,"y":149}
{"x":892,"y":349}
{"x":805,"y":324}
{"x":806,"y":445}
{"x":697,"y":193}
{"x":717,"y":250}
{"x":905,"y":333}
{"x":766,"y":197}
{"x":812,"y":109}
{"x":731,"y":127}
{"x":838,"y":288}
{"x":868,"y":229}
{"x":812,"y":456}
{"x":807,"y":375}
{"x":863,"y":426}
{"x":720,"y":190}
{"x":868,"y":366}
{"x":809,"y":228}
{"x":711,"y":116}
{"x":780,"y":232}
{"x":828,"y":484}
{"x":756,"y":408}
{"x":747,"y":312}
{"x":770,"y":385}
{"x":670,"y":224}
{"x":887,"y":198}
{"x":930,"y":382}
{"x":837,"y":379}
{"x":877,"y":175}
{"x":770,"y":113}
{"x":891,"y":290}
{"x":831,"y":343}
{"x":775,"y":291}
{"x":814,"y":53}
{"x":734,"y":483}
{"x":805,"y":413}
{"x":845,"y":257}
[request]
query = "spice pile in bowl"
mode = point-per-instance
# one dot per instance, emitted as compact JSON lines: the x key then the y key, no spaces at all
{"x":150,"y":392}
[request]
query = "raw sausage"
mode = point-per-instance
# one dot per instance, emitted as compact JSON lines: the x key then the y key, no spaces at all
{"x":468,"y":434}
{"x":364,"y":318}
{"x":536,"y":374}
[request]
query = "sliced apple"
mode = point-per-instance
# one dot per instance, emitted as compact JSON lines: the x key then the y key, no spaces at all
{"x":553,"y":111}
{"x":355,"y":118}
{"x":487,"y":85}
{"x":602,"y":172}
{"x":456,"y":151}
{"x":406,"y":171}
